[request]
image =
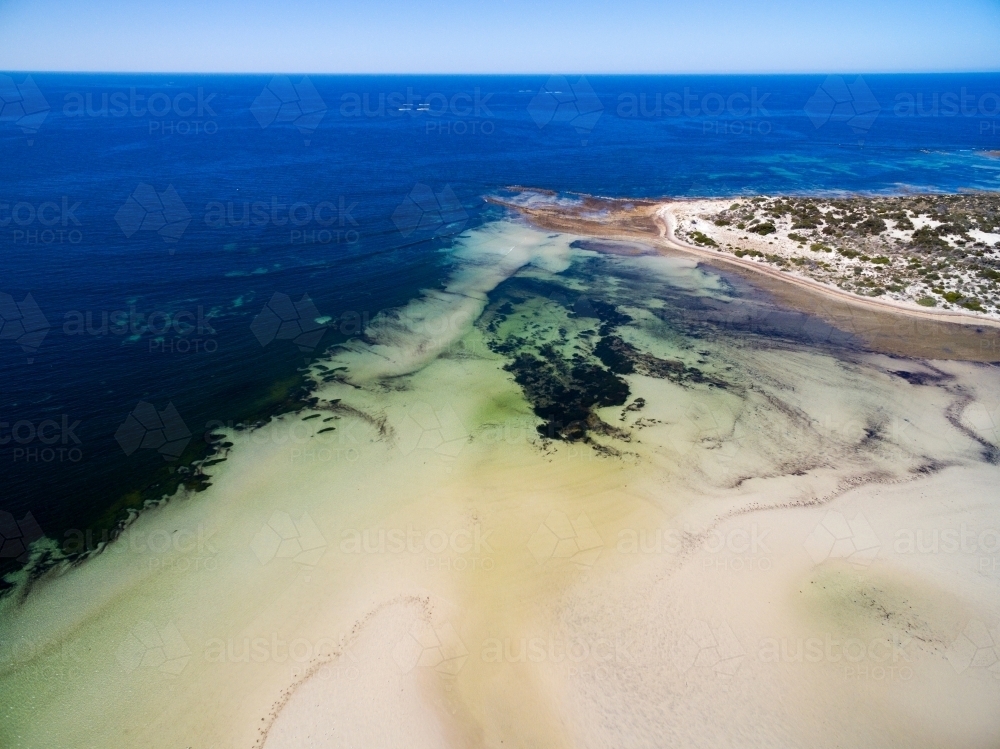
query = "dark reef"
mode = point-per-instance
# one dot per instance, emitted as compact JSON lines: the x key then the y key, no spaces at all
{"x":564,"y":375}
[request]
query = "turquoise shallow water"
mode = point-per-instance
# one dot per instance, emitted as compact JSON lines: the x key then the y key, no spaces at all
{"x":708,"y":411}
{"x":181,"y":206}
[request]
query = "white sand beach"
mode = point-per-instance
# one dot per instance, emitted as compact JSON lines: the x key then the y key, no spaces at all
{"x":772,"y":543}
{"x":812,"y":259}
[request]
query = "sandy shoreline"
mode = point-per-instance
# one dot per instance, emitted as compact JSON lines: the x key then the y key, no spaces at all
{"x":722,"y":561}
{"x":667,"y":221}
{"x":885,"y":326}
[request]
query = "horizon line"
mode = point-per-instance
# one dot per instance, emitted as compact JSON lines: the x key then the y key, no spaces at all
{"x":279,"y":71}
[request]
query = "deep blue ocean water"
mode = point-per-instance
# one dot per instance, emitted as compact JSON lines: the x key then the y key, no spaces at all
{"x":152,"y":218}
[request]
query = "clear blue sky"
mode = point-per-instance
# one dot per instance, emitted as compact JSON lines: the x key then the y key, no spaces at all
{"x":501,"y":36}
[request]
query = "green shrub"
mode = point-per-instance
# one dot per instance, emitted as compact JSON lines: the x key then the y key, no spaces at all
{"x":872,"y":225}
{"x":703,"y":239}
{"x":926,"y":238}
{"x":763,"y":229}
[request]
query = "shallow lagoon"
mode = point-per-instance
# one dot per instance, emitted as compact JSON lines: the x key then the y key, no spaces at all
{"x":412,"y":561}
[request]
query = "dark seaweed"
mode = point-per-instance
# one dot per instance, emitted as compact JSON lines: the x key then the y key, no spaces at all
{"x":916,"y":378}
{"x":624,"y":358}
{"x":564,"y":397}
{"x":564,"y":388}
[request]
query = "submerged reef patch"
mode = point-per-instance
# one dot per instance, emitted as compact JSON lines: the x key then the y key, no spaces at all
{"x":566,"y":353}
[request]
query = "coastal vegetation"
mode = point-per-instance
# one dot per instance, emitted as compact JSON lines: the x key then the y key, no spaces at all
{"x":932,"y":250}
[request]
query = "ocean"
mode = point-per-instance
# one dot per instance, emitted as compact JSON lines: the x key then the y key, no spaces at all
{"x":177,"y":249}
